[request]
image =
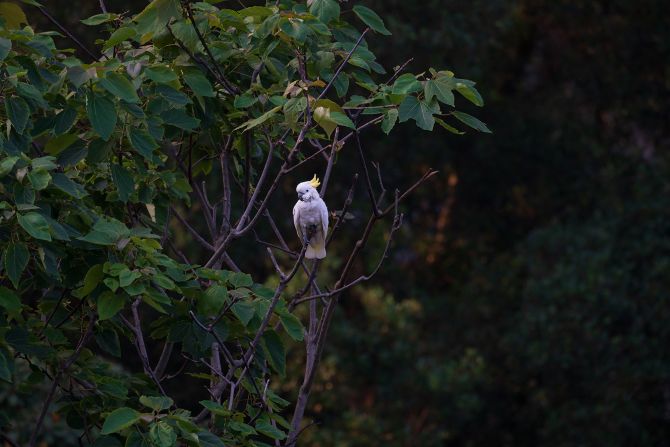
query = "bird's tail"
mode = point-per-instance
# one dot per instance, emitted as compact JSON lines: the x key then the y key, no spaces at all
{"x":316,"y":249}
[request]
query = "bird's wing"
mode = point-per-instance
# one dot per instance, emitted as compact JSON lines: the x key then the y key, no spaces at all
{"x":296,"y":219}
{"x":323,"y":209}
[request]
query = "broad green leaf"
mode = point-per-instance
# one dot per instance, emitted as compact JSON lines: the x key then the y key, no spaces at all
{"x":242,"y":428}
{"x":419,"y":111}
{"x":292,"y":325}
{"x":143,"y":143}
{"x":46,"y":163}
{"x":406,"y":83}
{"x":267,"y":429}
{"x":99,"y":19}
{"x":160,"y":74}
{"x":390,"y":118}
{"x":58,"y":144}
{"x":13,"y":15}
{"x":260,"y":120}
{"x":127,"y":277}
{"x":276,"y":351}
{"x":118,"y":85}
{"x":295,"y":28}
{"x":7,"y":165}
{"x":17,"y":112}
{"x":156,"y":403}
{"x":371,"y":19}
{"x":102,"y":114}
{"x":471,"y":121}
{"x":244,"y":311}
{"x":179,"y":118}
{"x":211,"y":302}
{"x":16,"y":260}
{"x":91,"y":280}
{"x":39,"y":179}
{"x":124,"y":182}
{"x":118,"y":36}
{"x":64,"y":120}
{"x":5,"y":46}
{"x":106,"y":232}
{"x":120,"y":419}
{"x":198,"y":83}
{"x":323,"y":119}
{"x":240,"y":279}
{"x":35,"y":225}
{"x":470,"y":93}
{"x":156,"y":15}
{"x":109,"y":305}
{"x":9,"y":300}
{"x":69,"y":187}
{"x":441,"y":88}
{"x":325,"y":10}
{"x":6,"y":365}
{"x":162,"y":435}
{"x":342,"y":120}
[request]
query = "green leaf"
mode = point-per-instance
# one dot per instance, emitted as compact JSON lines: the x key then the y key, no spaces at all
{"x":419,"y":111}
{"x":276,"y":352}
{"x":109,"y":305}
{"x":17,"y":112}
{"x":120,"y":419}
{"x":156,"y":403}
{"x":39,"y":178}
{"x":267,"y":429}
{"x":199,"y":83}
{"x":143,"y":143}
{"x":325,"y":10}
{"x":5,"y":46}
{"x":322,"y":117}
{"x":69,"y":187}
{"x":446,"y":126}
{"x":118,"y":85}
{"x":35,"y":225}
{"x":118,"y":36}
{"x":260,"y":120}
{"x":342,"y":120}
{"x":471,"y":121}
{"x":99,"y":19}
{"x":16,"y":260}
{"x":106,"y":232}
{"x":6,"y":365}
{"x":91,"y":280}
{"x":160,"y":74}
{"x":244,"y":311}
{"x":9,"y":300}
{"x":64,"y":120}
{"x":102,"y":114}
{"x":124,"y":182}
{"x":58,"y":144}
{"x":211,"y":302}
{"x":7,"y":165}
{"x":179,"y":118}
{"x":470,"y":93}
{"x":162,"y":435}
{"x":441,"y":88}
{"x":389,"y":121}
{"x":371,"y":19}
{"x":12,"y":15}
{"x":156,"y":15}
{"x":293,"y":326}
{"x":405,"y":84}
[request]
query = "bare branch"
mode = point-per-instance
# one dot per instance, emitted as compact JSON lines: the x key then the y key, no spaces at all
{"x":83,"y":47}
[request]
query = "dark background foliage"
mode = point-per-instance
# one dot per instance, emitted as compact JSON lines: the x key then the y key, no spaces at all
{"x":526,"y":302}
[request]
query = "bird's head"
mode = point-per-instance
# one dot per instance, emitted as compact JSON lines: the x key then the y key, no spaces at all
{"x":307,"y":190}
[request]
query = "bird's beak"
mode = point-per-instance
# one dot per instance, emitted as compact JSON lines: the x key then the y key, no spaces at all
{"x":299,"y":196}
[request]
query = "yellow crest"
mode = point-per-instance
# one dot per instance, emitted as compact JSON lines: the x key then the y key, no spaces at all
{"x":315,"y":182}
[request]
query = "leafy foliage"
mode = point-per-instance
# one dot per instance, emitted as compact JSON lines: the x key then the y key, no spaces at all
{"x":98,"y":158}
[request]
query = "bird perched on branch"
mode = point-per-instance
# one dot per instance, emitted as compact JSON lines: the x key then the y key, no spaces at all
{"x":310,"y":217}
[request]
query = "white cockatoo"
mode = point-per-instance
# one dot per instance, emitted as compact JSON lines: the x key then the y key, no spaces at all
{"x":310,"y":217}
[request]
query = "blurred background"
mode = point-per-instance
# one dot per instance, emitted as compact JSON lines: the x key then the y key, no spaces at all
{"x":526,"y":301}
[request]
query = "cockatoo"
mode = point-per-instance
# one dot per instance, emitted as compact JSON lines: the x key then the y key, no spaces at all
{"x":310,"y":217}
